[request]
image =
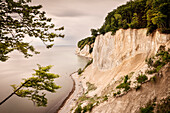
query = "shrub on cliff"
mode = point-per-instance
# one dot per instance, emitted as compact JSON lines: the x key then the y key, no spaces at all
{"x":78,"y":109}
{"x":142,"y":78}
{"x":148,"y":109}
{"x":89,"y":62}
{"x":163,"y":107}
{"x":90,"y":87}
{"x":158,"y":61}
{"x":87,"y":108}
{"x":125,"y":85}
{"x":80,"y":71}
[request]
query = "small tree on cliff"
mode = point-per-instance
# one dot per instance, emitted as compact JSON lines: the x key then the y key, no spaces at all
{"x":17,"y":20}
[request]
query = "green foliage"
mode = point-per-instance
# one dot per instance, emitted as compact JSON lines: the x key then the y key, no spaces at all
{"x":28,"y":21}
{"x":78,"y":109}
{"x":134,"y":23}
{"x":114,"y":94}
{"x":117,"y":93}
{"x":138,"y":87}
{"x":94,"y":32}
{"x":126,"y":79}
{"x":134,"y":14}
{"x":159,"y":20}
{"x":91,"y":102}
{"x":33,"y":87}
{"x":89,"y":62}
{"x":163,"y":107}
{"x":161,"y":58}
{"x":153,"y":79}
{"x":86,"y":41}
{"x":80,"y":71}
{"x":151,"y":71}
{"x":83,"y":98}
{"x":139,"y":14}
{"x":90,"y":86}
{"x":148,"y":109}
{"x":105,"y":98}
{"x":87,"y":108}
{"x":149,"y":62}
{"x":142,"y":78}
{"x":125,"y":85}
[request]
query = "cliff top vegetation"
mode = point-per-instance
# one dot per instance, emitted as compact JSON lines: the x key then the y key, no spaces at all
{"x":135,"y":14}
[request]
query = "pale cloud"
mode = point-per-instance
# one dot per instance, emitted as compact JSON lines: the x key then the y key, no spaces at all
{"x":77,"y":16}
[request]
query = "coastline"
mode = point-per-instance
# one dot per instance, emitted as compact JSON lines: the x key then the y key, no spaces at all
{"x":67,"y":104}
{"x":73,"y":95}
{"x":71,"y":92}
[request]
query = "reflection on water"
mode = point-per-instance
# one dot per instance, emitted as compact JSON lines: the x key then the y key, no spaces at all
{"x":64,"y":62}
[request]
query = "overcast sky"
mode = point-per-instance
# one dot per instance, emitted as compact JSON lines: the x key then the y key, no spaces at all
{"x":77,"y":16}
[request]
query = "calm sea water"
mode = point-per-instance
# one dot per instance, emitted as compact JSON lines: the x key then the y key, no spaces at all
{"x":17,"y":67}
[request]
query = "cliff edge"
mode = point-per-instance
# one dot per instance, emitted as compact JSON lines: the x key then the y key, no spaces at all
{"x":125,"y":53}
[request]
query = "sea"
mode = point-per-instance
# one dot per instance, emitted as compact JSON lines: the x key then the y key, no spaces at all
{"x":14,"y":70}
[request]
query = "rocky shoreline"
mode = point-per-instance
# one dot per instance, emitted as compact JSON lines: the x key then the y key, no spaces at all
{"x":76,"y":91}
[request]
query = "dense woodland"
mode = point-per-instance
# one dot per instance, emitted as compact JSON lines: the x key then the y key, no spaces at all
{"x":136,"y":14}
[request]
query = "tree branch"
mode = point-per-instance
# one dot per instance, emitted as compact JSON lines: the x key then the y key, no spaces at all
{"x":13,"y":92}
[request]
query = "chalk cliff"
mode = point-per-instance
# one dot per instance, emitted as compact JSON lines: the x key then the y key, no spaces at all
{"x":115,"y":56}
{"x":84,"y":52}
{"x":111,"y":50}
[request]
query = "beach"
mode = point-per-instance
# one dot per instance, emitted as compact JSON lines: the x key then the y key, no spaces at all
{"x":76,"y":92}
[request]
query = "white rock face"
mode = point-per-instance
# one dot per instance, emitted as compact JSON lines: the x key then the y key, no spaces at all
{"x":111,"y":50}
{"x":115,"y":56}
{"x":84,"y":52}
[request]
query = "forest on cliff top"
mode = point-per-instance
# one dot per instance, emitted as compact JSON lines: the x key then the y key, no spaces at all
{"x":136,"y":14}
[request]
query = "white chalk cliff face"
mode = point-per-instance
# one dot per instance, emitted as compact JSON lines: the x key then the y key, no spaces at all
{"x":84,"y":52}
{"x":115,"y":56}
{"x":111,"y":50}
